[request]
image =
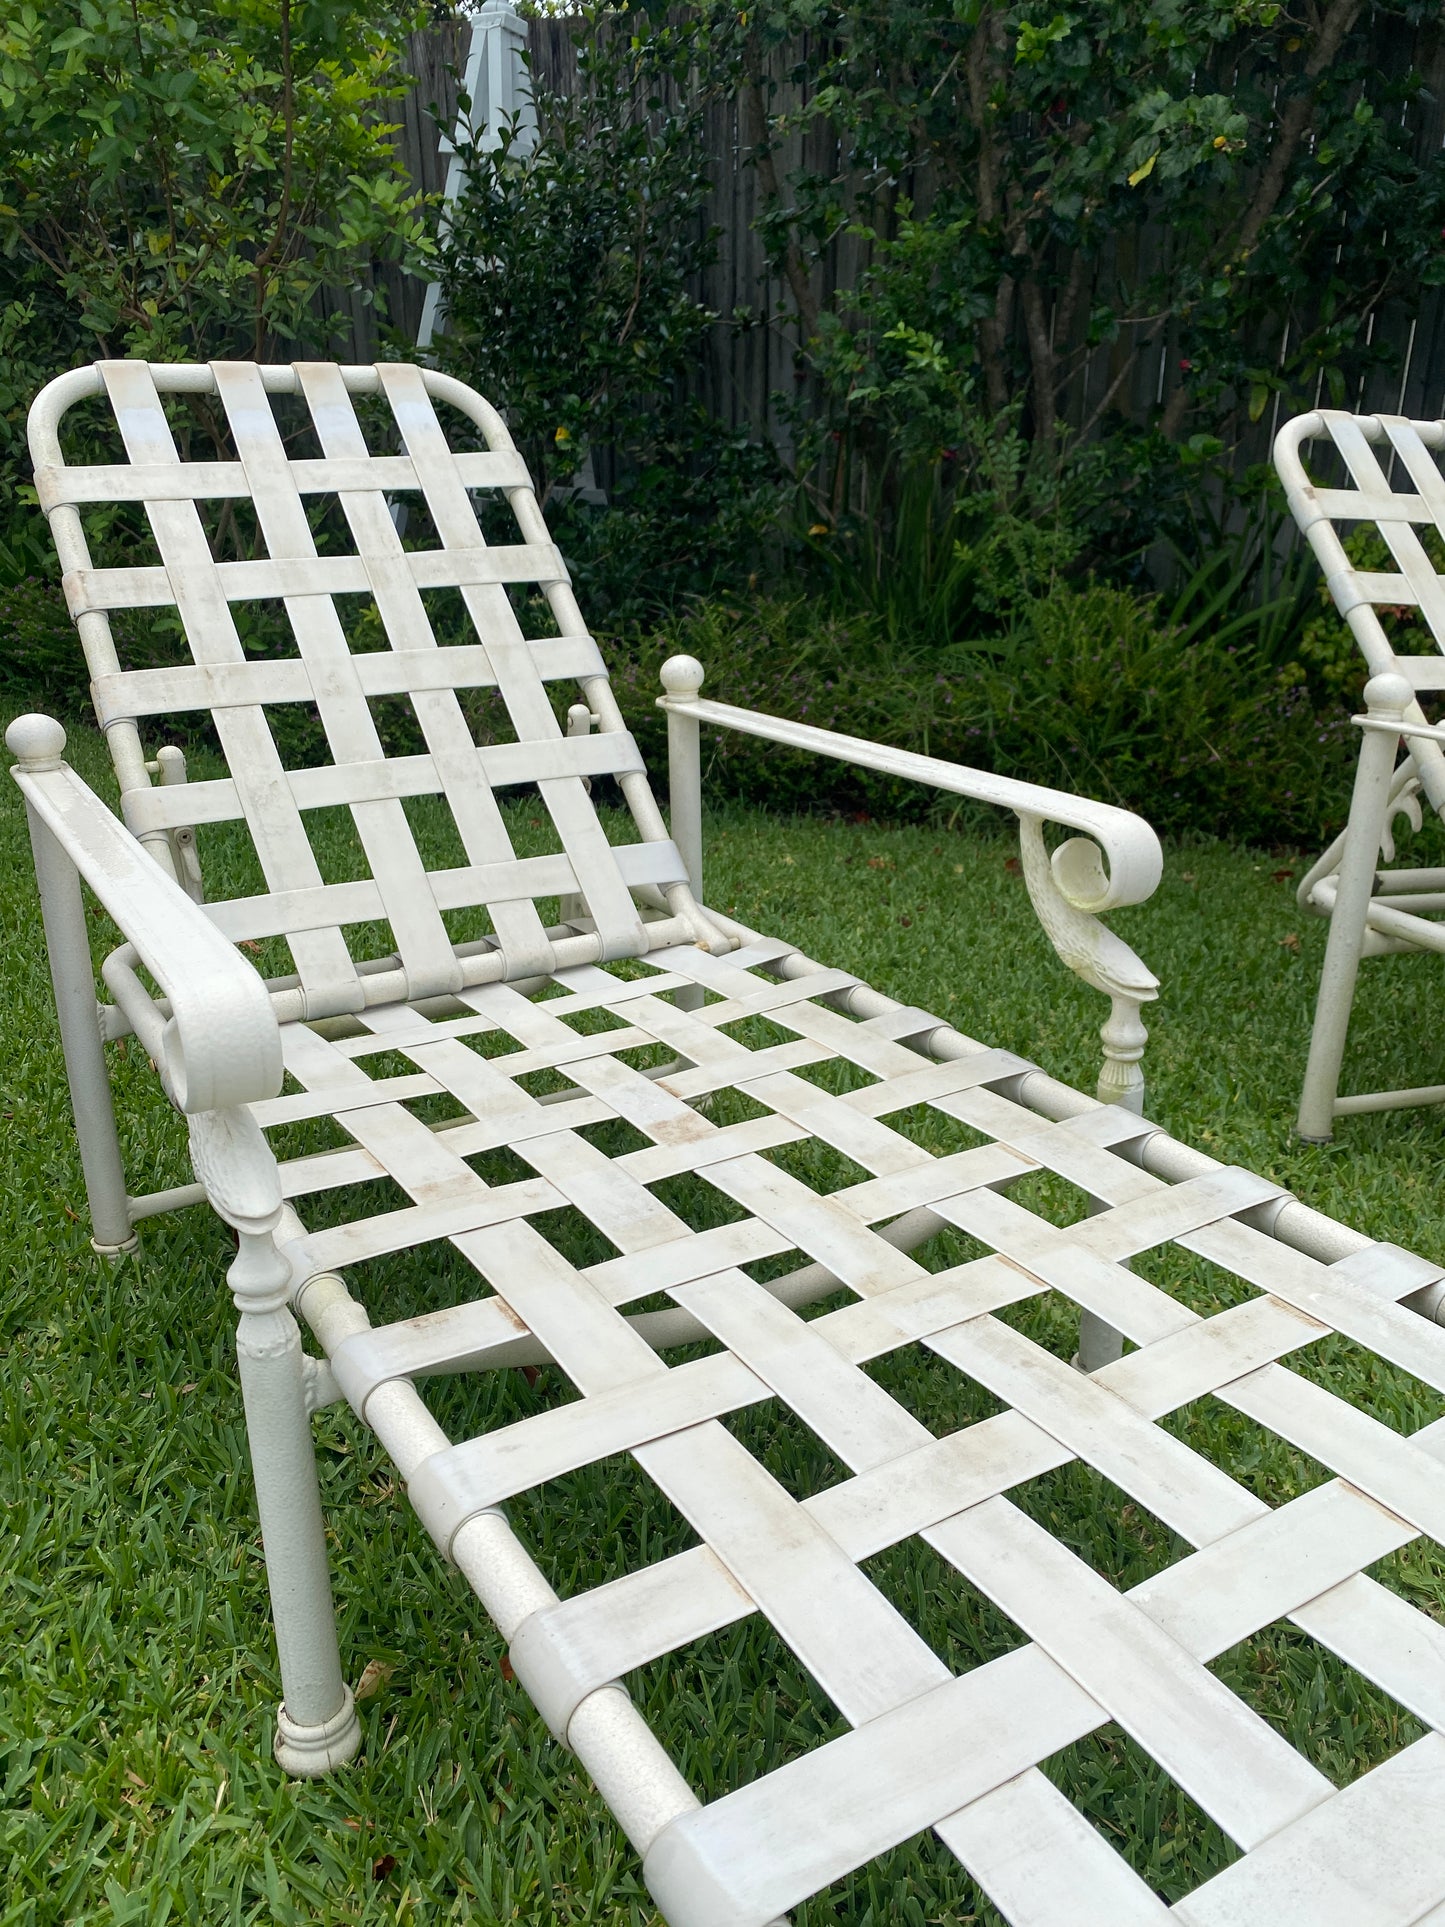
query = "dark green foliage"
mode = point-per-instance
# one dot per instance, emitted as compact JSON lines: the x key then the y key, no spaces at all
{"x":190,"y":179}
{"x":570,"y":271}
{"x":40,"y":652}
{"x":1092,"y":688}
{"x":1224,"y":190}
{"x":567,"y":265}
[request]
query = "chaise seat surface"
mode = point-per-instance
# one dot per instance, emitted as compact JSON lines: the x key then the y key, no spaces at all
{"x":930,"y":1749}
{"x":709,"y":1179}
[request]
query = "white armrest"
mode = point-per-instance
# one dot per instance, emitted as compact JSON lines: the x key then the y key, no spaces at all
{"x":221,"y":1044}
{"x":1134,"y":857}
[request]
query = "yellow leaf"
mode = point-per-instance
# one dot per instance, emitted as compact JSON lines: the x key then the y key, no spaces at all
{"x":1144,"y":170}
{"x":374,"y":1676}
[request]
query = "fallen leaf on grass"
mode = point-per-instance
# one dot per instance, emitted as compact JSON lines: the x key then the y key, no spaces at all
{"x":1290,"y":940}
{"x":1281,"y":876}
{"x":504,"y":1667}
{"x":1012,"y":865}
{"x":374,"y":1676}
{"x":383,"y":1865}
{"x":880,"y":863}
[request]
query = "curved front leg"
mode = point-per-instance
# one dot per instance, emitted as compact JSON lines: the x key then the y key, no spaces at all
{"x":1065,"y":890}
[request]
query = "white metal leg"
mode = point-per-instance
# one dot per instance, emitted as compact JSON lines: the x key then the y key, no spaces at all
{"x":1387,"y":698}
{"x":1123,"y":1035}
{"x":316,"y":1725}
{"x":73,"y":977}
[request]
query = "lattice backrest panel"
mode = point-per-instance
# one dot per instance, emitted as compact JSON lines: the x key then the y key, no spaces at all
{"x":1395,"y":492}
{"x":354,"y":611}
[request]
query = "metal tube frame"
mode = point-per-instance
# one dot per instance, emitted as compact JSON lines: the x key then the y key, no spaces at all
{"x":72,"y":976}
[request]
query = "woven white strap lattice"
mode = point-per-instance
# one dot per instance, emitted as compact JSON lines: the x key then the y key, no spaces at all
{"x":326,"y":546}
{"x":1395,"y":488}
{"x":959,"y":1754}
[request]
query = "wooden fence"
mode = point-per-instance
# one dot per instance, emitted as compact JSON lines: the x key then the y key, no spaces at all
{"x":748,"y":367}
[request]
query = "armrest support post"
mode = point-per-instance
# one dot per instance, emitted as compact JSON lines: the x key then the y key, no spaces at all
{"x":682,"y":678}
{"x":1068,"y":888}
{"x":73,"y":977}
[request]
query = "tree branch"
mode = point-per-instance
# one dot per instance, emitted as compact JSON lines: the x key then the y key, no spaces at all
{"x":992,"y":329}
{"x":1338,"y":19}
{"x":794,"y":267}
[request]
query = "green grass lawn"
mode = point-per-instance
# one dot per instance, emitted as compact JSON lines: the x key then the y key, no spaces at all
{"x":139,"y":1679}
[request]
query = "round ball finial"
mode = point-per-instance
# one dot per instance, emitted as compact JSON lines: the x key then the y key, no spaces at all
{"x":1388,"y":693}
{"x":682,"y":676}
{"x":37,"y":741}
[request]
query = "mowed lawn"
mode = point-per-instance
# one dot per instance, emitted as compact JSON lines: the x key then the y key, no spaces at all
{"x":139,"y":1682}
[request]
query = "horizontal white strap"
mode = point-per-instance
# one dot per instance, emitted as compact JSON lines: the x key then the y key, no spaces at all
{"x":451,"y":1338}
{"x":333,"y":904}
{"x":564,"y":1652}
{"x":379,"y":672}
{"x":316,"y":575}
{"x":452,"y":1486}
{"x":750,"y":1856}
{"x":57,"y":483}
{"x":344,"y":785}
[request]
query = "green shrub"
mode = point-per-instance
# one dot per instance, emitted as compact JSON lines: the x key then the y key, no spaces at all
{"x":1101,"y":694}
{"x":1092,"y":690}
{"x":40,"y":652}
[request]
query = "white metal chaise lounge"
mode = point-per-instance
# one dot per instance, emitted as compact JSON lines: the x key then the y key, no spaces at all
{"x":595,"y":1050}
{"x":1379,"y":477}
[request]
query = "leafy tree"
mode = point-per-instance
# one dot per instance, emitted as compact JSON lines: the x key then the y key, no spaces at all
{"x":1228,"y":185}
{"x":186,"y":178}
{"x":570,"y":271}
{"x":569,"y":265}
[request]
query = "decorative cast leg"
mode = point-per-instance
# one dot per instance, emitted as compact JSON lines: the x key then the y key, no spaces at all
{"x":1064,"y":889}
{"x":316,"y":1726}
{"x":1387,"y":698}
{"x":1123,"y":1036}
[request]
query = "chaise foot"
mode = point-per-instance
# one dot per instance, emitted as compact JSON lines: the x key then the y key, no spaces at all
{"x":114,"y":1253}
{"x":308,"y":1751}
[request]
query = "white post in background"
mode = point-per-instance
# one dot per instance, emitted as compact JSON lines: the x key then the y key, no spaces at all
{"x":682,"y":676}
{"x":1387,"y":700}
{"x":495,"y":81}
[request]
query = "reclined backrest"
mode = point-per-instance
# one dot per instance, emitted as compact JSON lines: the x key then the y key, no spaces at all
{"x":1393,"y":486}
{"x":1397,"y":487}
{"x":356,"y":631}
